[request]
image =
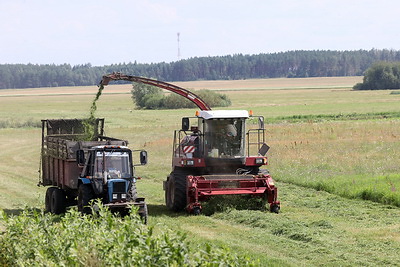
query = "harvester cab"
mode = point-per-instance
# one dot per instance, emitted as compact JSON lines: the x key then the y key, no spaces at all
{"x":221,"y":141}
{"x":219,"y":152}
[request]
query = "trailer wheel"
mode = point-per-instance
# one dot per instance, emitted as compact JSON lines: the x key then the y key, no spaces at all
{"x":85,"y":195}
{"x":58,"y":201}
{"x":176,"y":190}
{"x":47,"y":200}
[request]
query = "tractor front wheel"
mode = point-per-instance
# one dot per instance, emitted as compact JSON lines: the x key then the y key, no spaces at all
{"x":85,"y":195}
{"x":133,"y":192}
{"x":143,"y":212}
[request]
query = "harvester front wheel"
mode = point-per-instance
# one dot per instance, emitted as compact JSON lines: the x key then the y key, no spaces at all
{"x":175,"y":194}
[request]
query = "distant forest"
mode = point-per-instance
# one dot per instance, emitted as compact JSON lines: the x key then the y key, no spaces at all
{"x":298,"y":64}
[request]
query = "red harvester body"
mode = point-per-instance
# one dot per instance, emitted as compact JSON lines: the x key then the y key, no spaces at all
{"x":221,"y":154}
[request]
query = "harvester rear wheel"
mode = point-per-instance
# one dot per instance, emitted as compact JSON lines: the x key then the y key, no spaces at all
{"x":175,"y":195}
{"x":58,"y":200}
{"x":47,"y":200}
{"x":85,"y":195}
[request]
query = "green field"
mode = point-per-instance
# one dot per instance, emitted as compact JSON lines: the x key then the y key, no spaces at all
{"x":336,"y":165}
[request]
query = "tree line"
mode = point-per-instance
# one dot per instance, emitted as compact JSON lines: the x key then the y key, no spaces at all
{"x":301,"y":63}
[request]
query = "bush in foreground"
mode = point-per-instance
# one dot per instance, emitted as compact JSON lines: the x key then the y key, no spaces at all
{"x":37,"y":239}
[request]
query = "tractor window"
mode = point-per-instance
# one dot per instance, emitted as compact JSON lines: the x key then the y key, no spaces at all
{"x":224,"y":138}
{"x":113,"y":164}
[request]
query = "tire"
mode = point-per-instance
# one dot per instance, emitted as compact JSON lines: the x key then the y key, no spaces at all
{"x":133,"y":192}
{"x":58,"y":200}
{"x":143,"y":212}
{"x":176,"y":190}
{"x":275,"y":209}
{"x":196,"y":211}
{"x":167,"y":193}
{"x":47,"y":199}
{"x":85,"y":195}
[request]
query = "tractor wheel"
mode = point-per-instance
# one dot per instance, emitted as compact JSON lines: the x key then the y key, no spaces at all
{"x":175,"y":194}
{"x":47,"y":200}
{"x":133,"y":192}
{"x":58,"y":200}
{"x":143,"y":212}
{"x":85,"y":195}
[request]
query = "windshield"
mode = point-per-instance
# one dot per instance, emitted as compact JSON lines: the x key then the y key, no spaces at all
{"x":112,"y":164}
{"x":224,"y":138}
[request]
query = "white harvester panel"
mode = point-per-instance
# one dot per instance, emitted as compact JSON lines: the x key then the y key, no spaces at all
{"x":223,"y":114}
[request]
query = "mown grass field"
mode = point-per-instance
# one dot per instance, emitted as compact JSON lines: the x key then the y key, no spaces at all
{"x":327,"y":171}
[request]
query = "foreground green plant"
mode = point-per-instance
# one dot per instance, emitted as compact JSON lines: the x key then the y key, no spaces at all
{"x":38,"y":239}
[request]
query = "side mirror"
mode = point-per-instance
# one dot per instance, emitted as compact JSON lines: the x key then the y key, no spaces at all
{"x":261,"y":122}
{"x":80,"y":157}
{"x":263,"y":150}
{"x":185,"y":124}
{"x":143,"y":157}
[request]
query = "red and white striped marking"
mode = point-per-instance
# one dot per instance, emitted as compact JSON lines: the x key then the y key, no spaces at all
{"x":188,"y":149}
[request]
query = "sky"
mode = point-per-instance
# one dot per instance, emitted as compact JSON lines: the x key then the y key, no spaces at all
{"x":103,"y":32}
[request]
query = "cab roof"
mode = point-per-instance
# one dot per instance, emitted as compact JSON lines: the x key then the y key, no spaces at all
{"x":110,"y":147}
{"x":223,"y":114}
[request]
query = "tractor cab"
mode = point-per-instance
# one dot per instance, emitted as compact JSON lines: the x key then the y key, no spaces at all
{"x":112,"y":164}
{"x":108,"y":162}
{"x":109,"y":168}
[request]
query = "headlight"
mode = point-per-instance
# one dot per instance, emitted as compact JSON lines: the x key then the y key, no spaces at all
{"x":115,"y":196}
{"x":123,"y":195}
{"x":259,"y":160}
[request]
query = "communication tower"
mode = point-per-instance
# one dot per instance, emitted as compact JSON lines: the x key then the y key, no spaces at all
{"x":179,"y":49}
